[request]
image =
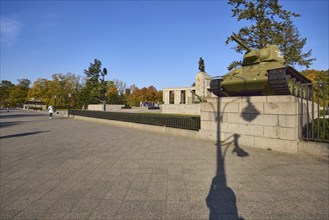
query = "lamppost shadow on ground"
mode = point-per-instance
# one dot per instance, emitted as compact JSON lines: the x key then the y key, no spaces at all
{"x":221,"y":199}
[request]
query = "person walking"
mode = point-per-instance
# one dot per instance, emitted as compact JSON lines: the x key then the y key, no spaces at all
{"x":51,"y":111}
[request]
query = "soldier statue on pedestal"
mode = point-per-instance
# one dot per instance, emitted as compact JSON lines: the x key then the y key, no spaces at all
{"x":201,"y":65}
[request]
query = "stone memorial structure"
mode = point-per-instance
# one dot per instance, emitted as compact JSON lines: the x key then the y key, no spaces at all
{"x":185,"y":100}
{"x":267,"y":122}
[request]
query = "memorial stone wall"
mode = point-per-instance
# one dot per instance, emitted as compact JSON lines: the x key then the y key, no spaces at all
{"x":267,"y":122}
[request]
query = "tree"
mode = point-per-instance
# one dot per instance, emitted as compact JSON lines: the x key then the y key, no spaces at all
{"x":39,"y":90}
{"x":134,"y":98}
{"x":17,"y":96}
{"x":270,"y":24}
{"x":18,"y":93}
{"x":62,"y":85}
{"x":5,"y":87}
{"x":94,"y":70}
{"x":95,"y":82}
{"x":149,"y":94}
{"x":319,"y":76}
{"x":112,"y":95}
{"x":24,"y":84}
{"x":103,"y":83}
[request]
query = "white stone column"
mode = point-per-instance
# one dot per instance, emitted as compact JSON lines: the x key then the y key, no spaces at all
{"x":165,"y":96}
{"x":177,"y":97}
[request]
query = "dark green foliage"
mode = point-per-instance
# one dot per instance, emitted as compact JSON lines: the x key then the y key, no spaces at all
{"x":270,"y":24}
{"x":24,"y":84}
{"x":317,"y":129}
{"x":5,"y":87}
{"x":18,"y":93}
{"x":95,"y":85}
{"x":93,"y":71}
{"x":324,"y":112}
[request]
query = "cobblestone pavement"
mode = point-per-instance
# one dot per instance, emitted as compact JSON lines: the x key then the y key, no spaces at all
{"x":71,"y":169}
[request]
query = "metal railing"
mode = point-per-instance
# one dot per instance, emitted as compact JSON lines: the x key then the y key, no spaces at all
{"x":183,"y":122}
{"x":314,"y":111}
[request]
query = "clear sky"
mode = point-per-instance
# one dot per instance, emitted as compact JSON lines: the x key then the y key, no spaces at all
{"x":139,"y":42}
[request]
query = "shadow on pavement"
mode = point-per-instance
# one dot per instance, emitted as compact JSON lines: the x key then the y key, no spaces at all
{"x":239,"y":151}
{"x":8,"y":116}
{"x":22,"y":134}
{"x":9,"y":123}
{"x":221,"y":199}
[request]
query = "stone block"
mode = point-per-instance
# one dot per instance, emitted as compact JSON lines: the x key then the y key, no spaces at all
{"x":229,"y":127}
{"x":285,"y":146}
{"x":209,"y":125}
{"x":224,"y":117}
{"x":231,"y":99}
{"x":282,"y":98}
{"x":205,"y":125}
{"x":288,"y":133}
{"x":281,"y":133}
{"x":254,"y":99}
{"x":229,"y":107}
{"x":209,"y":107}
{"x":314,"y":148}
{"x":238,"y":118}
{"x":265,"y":119}
{"x":208,"y":116}
{"x":212,"y":116}
{"x":271,"y":132}
{"x":227,"y":137}
{"x":254,"y":108}
{"x":212,"y":100}
{"x":249,"y":129}
{"x":290,"y":121}
{"x":282,"y":108}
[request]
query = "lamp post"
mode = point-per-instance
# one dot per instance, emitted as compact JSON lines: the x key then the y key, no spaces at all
{"x":55,"y":102}
{"x":69,"y":107}
{"x":35,"y":104}
{"x":104,"y":105}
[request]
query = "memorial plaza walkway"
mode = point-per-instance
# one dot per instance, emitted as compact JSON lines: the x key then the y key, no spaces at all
{"x":72,"y":169}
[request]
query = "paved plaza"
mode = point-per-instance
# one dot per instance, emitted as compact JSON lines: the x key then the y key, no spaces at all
{"x":72,"y":169}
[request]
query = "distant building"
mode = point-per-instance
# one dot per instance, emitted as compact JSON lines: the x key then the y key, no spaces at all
{"x":35,"y":104}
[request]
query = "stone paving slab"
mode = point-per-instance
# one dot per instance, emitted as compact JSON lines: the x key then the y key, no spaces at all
{"x":70,"y":169}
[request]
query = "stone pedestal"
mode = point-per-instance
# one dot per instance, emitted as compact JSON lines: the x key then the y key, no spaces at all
{"x":202,"y":83}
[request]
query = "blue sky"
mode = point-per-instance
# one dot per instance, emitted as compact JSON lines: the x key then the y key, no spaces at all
{"x":140,"y":42}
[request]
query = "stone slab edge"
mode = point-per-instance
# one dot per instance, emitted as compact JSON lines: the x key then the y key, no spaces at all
{"x":314,"y":148}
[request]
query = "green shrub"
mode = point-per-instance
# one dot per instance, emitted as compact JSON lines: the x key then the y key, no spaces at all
{"x":322,"y":112}
{"x":317,"y":128}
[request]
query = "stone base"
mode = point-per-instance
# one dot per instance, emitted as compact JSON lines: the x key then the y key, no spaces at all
{"x":267,"y":122}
